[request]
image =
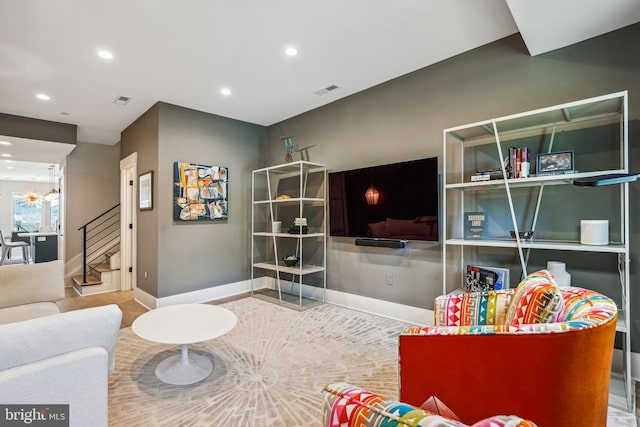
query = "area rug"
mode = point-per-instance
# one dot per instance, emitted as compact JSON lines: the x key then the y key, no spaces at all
{"x":268,"y":371}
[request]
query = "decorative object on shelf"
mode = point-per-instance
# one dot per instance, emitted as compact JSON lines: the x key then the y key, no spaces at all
{"x":559,"y":271}
{"x":555,"y":163}
{"x":594,"y":232}
{"x":288,"y":148}
{"x":475,"y":225}
{"x":276,"y":226}
{"x":200,"y":192}
{"x":290,"y":260}
{"x":283,"y":197}
{"x":145,"y":191}
{"x":523,"y":235}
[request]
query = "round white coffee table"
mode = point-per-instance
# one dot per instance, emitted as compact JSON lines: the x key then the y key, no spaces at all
{"x":184,"y":324}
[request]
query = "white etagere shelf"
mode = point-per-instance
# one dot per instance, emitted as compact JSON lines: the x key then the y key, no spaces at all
{"x":482,"y":145}
{"x":304,"y":187}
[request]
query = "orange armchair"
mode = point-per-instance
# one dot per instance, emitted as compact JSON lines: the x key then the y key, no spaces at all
{"x":480,"y":359}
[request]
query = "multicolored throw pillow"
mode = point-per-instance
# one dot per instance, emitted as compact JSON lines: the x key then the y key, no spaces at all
{"x":537,"y":299}
{"x":476,"y":308}
{"x":583,"y":304}
{"x":503,"y":421}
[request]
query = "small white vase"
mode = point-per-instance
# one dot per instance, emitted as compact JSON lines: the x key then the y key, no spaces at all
{"x":559,"y":272}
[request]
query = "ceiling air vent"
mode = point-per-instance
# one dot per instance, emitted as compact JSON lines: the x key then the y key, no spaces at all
{"x":121,"y":100}
{"x":325,"y":90}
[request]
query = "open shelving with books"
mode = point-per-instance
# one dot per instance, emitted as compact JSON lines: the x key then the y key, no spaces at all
{"x":289,"y":220}
{"x":585,"y":139}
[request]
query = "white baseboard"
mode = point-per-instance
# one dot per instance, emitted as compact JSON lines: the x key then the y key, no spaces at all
{"x":404,"y":313}
{"x":391,"y":310}
{"x":199,"y":296}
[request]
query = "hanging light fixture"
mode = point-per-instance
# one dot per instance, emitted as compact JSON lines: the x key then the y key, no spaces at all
{"x":53,"y":193}
{"x":32,"y":198}
{"x":372,"y":195}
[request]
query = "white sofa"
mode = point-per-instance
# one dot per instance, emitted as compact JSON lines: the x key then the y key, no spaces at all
{"x":48,"y":357}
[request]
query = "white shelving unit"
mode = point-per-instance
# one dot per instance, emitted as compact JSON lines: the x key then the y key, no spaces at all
{"x":596,"y":131}
{"x":283,"y":193}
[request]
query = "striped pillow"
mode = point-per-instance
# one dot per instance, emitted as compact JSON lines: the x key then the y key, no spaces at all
{"x":537,"y":300}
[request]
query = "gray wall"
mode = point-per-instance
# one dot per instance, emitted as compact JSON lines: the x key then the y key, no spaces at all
{"x":403,"y":119}
{"x":194,"y":256}
{"x":142,"y":137}
{"x":92,"y":178}
{"x":25,"y":127}
{"x":182,"y":257}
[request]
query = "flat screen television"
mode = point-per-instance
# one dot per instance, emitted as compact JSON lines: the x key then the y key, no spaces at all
{"x":393,"y":201}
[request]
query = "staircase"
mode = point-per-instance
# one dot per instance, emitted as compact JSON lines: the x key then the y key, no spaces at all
{"x":103,"y":276}
{"x":100,"y":254}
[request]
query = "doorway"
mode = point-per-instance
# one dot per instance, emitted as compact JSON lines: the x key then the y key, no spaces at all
{"x":128,"y":190}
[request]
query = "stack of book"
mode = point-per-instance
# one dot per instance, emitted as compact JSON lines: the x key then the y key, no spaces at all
{"x":299,"y":226}
{"x":487,"y":174}
{"x":517,"y":164}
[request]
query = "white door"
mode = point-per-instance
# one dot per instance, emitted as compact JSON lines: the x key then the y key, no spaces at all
{"x":128,"y":185}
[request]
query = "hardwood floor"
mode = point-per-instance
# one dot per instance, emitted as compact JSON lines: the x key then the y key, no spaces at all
{"x":124,"y":299}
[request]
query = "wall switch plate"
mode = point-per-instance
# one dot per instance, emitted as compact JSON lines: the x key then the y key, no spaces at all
{"x":389,"y":279}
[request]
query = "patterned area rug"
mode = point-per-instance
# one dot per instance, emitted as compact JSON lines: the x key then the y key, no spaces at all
{"x":268,"y":371}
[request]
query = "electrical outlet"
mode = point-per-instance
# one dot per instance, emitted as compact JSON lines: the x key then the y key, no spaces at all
{"x":389,"y":279}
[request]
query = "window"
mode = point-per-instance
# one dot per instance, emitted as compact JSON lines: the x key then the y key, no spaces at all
{"x":33,"y":212}
{"x":27,"y":212}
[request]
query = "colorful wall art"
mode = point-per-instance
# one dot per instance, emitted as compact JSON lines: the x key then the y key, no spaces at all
{"x":200,"y":192}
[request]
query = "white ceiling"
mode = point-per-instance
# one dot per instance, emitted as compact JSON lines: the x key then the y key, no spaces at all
{"x":183,"y":53}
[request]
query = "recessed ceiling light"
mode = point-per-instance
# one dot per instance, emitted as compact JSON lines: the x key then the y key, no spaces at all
{"x":105,"y":54}
{"x":9,"y":167}
{"x":5,"y":155}
{"x":5,"y":143}
{"x":43,"y":96}
{"x":291,"y":51}
{"x":8,"y":161}
{"x":225,"y":91}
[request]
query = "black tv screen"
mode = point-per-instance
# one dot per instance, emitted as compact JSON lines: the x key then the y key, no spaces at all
{"x":394,"y":201}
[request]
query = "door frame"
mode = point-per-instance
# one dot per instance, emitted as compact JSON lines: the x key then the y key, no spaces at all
{"x":128,"y":215}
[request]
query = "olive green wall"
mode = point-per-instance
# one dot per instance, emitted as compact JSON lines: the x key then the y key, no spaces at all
{"x":142,"y":137}
{"x":202,"y":254}
{"x":179,"y":256}
{"x":403,"y":119}
{"x":25,"y":127}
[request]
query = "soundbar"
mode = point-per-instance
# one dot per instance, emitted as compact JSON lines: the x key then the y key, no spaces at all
{"x":381,"y":243}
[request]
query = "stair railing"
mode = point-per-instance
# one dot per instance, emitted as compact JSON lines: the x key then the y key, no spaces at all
{"x":100,"y":236}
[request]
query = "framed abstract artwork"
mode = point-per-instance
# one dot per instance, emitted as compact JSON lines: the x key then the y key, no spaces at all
{"x":199,"y":192}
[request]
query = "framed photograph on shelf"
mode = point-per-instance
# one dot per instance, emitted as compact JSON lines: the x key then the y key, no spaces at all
{"x":480,"y":278}
{"x":555,"y":163}
{"x":145,"y":191}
